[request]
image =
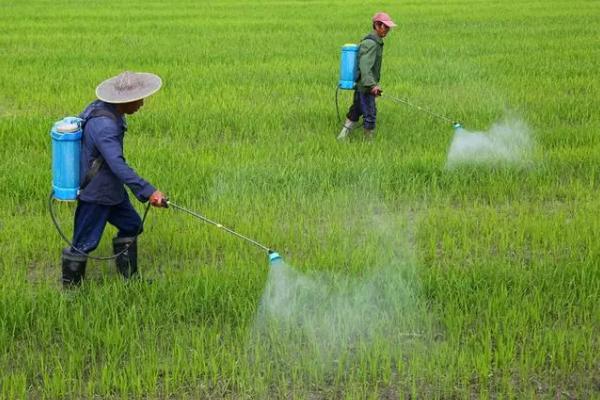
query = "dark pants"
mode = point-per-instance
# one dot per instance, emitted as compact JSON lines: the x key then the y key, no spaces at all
{"x":90,"y":220}
{"x":363,"y":104}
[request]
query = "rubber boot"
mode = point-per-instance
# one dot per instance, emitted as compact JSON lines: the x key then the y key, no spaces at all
{"x":369,"y":134}
{"x":348,"y":126}
{"x":73,"y":268}
{"x":127,"y":261}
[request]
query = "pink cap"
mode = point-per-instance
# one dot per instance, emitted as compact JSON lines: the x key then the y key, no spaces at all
{"x":384,"y":19}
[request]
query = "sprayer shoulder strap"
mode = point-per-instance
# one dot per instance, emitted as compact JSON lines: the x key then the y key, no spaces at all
{"x":92,"y":172}
{"x":374,"y":38}
{"x":98,"y":161}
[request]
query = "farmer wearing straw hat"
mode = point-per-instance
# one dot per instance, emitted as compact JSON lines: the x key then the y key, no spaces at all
{"x":104,"y":171}
{"x":367,"y":87}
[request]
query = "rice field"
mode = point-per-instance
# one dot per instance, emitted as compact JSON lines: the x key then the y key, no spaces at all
{"x":413,"y":267}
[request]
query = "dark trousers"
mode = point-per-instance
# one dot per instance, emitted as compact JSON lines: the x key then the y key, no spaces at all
{"x":363,"y":104}
{"x":90,"y":220}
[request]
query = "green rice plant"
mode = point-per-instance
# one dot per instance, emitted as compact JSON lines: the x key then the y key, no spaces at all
{"x":404,"y":278}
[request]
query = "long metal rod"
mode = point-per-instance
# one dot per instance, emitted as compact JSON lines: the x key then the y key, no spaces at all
{"x":218,"y":225}
{"x":408,"y":103}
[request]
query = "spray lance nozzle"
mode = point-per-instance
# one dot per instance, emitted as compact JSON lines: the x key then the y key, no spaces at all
{"x":273,"y":255}
{"x":455,"y":124}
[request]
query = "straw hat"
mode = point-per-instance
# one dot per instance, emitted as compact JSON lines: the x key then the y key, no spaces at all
{"x":127,"y":87}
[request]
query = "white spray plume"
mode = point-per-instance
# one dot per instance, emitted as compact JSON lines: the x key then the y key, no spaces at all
{"x":321,"y":316}
{"x":507,"y":143}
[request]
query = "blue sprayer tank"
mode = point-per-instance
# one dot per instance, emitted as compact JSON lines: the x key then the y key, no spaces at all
{"x":348,"y":66}
{"x":66,"y":148}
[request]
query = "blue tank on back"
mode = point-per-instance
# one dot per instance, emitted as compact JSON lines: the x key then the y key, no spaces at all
{"x":66,"y":148}
{"x":348,"y":66}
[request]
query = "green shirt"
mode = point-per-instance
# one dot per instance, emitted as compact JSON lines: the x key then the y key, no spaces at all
{"x":369,"y":62}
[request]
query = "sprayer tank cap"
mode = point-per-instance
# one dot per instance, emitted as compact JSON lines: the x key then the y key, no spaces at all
{"x":67,"y":127}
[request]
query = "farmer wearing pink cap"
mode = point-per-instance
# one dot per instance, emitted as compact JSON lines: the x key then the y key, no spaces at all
{"x":367,"y":87}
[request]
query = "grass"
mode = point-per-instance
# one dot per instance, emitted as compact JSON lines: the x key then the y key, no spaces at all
{"x":419,"y":281}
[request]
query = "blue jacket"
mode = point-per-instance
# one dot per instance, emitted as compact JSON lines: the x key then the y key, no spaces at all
{"x":103,"y":136}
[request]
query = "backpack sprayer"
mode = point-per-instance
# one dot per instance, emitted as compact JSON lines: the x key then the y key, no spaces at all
{"x":66,"y":149}
{"x":349,"y":76}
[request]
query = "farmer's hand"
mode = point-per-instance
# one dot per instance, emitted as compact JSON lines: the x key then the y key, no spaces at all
{"x":157,"y":199}
{"x":376,"y":90}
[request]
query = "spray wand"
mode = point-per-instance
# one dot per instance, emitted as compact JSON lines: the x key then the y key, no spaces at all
{"x":273,"y":255}
{"x":455,"y":124}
